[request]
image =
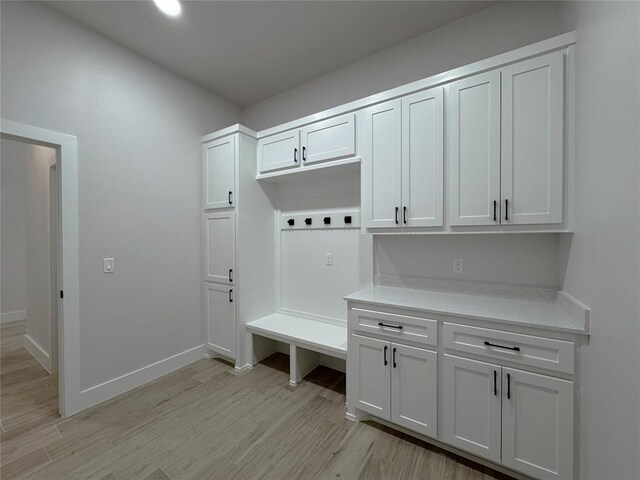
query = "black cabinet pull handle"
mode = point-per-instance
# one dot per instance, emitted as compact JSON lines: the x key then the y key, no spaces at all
{"x":304,"y":154}
{"x":508,"y":386}
{"x":231,"y":295}
{"x":230,"y":193}
{"x":506,"y":210}
{"x":230,"y":272}
{"x":489,"y":344}
{"x":380,"y":324}
{"x":397,"y":215}
{"x":295,"y":155}
{"x":404,"y":215}
{"x":495,"y":382}
{"x":385,"y":355}
{"x":394,"y":357}
{"x":495,"y":210}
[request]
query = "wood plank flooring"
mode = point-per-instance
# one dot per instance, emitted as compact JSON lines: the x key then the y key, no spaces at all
{"x":204,"y":422}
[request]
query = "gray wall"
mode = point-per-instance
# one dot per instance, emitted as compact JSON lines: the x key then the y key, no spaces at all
{"x":138,"y":129}
{"x":498,"y":29}
{"x":12,"y":256}
{"x":603,"y":258}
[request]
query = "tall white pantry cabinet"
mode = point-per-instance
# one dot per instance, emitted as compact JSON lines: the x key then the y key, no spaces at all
{"x":237,"y":239}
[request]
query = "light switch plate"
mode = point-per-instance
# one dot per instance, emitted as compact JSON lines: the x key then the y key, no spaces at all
{"x":108,"y":265}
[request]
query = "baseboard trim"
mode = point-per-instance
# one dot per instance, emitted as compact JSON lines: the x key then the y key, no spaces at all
{"x":38,"y":352}
{"x":7,"y":317}
{"x":112,"y":388}
{"x":243,"y":368}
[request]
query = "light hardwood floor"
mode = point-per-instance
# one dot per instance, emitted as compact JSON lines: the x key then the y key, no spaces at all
{"x":205,"y":422}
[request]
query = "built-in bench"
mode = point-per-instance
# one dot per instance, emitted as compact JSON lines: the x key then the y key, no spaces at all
{"x":306,"y":338}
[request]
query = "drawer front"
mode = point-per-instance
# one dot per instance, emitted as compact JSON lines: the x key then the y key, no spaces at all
{"x":539,"y":352}
{"x":395,"y":327}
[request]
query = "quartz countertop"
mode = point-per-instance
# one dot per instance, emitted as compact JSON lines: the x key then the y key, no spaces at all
{"x":546,"y":314}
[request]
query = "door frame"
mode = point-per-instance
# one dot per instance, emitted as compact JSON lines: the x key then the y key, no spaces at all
{"x":66,"y":147}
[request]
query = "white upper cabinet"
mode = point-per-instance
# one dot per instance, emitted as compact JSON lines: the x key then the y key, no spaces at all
{"x":279,"y":151}
{"x":474,"y":150}
{"x":472,"y":406}
{"x":219,"y":172}
{"x":422,"y":158}
{"x":414,"y":389}
{"x":537,"y":424}
{"x":331,"y":139}
{"x":382,"y":157}
{"x":219,"y":247}
{"x":220,"y":313}
{"x":532,"y":140}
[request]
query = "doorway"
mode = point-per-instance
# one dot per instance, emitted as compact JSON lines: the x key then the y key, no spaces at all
{"x":29,"y":285}
{"x":51,"y":262}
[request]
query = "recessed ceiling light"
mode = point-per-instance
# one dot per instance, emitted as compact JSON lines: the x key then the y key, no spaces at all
{"x":169,"y":7}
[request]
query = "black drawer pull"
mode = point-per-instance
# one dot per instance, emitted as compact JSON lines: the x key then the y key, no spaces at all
{"x":304,"y":154}
{"x":495,"y":382}
{"x":295,"y":155}
{"x":397,"y":208}
{"x":495,"y":211}
{"x":508,"y":386}
{"x":231,"y":295}
{"x":404,"y":215}
{"x":385,"y":355}
{"x":489,"y":344}
{"x":380,"y":324}
{"x":506,"y":210}
{"x":230,"y":201}
{"x":394,"y":357}
{"x":230,"y":273}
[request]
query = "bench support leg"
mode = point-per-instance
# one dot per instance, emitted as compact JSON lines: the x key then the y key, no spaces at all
{"x":302,"y":362}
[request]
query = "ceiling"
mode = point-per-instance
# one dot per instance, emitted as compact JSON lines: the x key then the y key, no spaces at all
{"x":249,"y":50}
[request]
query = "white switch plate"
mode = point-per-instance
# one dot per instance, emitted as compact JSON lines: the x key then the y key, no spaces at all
{"x":108,"y":265}
{"x":329,"y":259}
{"x":457,"y":265}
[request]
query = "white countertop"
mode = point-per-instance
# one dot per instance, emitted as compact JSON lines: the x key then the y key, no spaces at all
{"x":536,"y":313}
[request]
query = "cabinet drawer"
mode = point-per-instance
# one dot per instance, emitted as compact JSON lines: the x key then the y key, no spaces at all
{"x":396,"y":327}
{"x":539,"y":352}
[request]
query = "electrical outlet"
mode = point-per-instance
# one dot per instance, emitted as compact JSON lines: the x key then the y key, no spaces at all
{"x":457,"y":265}
{"x":329,"y":259}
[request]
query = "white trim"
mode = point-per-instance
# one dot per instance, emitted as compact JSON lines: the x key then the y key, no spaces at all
{"x":243,"y":368}
{"x":117,"y":386}
{"x":35,"y":349}
{"x":551,"y":44}
{"x":13,"y":316}
{"x":237,"y":128}
{"x":69,"y":320}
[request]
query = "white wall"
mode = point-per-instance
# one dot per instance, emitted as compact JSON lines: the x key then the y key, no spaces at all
{"x":38,"y":243}
{"x":498,"y":29}
{"x":12,"y":255}
{"x":138,"y":128}
{"x":603,"y":258}
{"x":509,"y":259}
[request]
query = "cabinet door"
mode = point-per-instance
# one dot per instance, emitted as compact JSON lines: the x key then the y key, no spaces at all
{"x":219,"y":247}
{"x":382,"y":156}
{"x":372,"y":378}
{"x":533,"y":140}
{"x":329,"y":140}
{"x":219,"y":172}
{"x":414,"y":389}
{"x":279,"y":151}
{"x":537,"y":424}
{"x":220,"y":312}
{"x":472,"y":406}
{"x":473,"y":126}
{"x":422,"y":158}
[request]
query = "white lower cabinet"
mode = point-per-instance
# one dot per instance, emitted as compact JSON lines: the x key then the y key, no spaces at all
{"x":472,"y":404}
{"x":537,"y":424}
{"x":520,"y":419}
{"x":397,"y":382}
{"x":220,"y":312}
{"x":414,"y":381}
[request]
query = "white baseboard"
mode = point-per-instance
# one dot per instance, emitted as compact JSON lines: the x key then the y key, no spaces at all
{"x":38,"y":352}
{"x":243,"y":368}
{"x":13,"y":316}
{"x":112,"y":388}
